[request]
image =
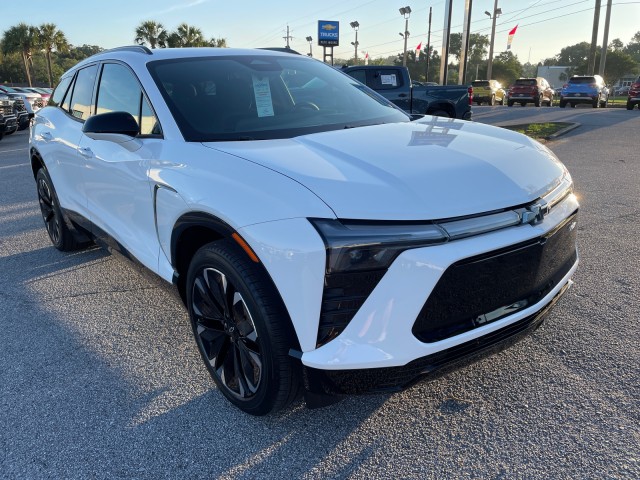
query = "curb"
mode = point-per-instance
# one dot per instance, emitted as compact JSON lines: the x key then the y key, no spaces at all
{"x":565,"y":130}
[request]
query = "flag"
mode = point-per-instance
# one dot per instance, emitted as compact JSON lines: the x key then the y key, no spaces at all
{"x":418,"y":48}
{"x":511,"y":34}
{"x":366,"y":58}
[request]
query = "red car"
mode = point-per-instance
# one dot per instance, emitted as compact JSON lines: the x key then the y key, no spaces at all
{"x":531,"y":90}
{"x":634,"y":95}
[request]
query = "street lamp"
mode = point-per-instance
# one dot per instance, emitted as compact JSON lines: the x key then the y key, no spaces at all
{"x":405,"y":12}
{"x":355,"y":25}
{"x":496,"y":13}
{"x":310,"y":39}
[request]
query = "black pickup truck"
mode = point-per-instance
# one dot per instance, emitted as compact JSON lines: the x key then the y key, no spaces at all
{"x":8,"y":120}
{"x":394,"y":83}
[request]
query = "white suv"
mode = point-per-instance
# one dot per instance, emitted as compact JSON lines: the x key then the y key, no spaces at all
{"x":320,"y":239}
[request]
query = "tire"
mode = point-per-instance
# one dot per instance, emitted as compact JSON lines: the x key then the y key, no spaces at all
{"x":509,"y":103}
{"x":440,"y":113}
{"x":563,"y":104}
{"x":604,"y":104}
{"x":2,"y":131}
{"x":536,"y":102}
{"x":502,"y":101}
{"x":629,"y":106}
{"x":242,"y":329}
{"x":522,"y":104}
{"x":573,"y":105}
{"x":478,"y":103}
{"x":596,"y":103}
{"x":492,"y":102}
{"x":59,"y":233}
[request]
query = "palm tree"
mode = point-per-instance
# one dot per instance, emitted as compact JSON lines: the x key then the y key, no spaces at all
{"x":152,"y":33}
{"x":186,"y":36}
{"x":218,"y":42}
{"x":51,"y":38}
{"x":23,"y":39}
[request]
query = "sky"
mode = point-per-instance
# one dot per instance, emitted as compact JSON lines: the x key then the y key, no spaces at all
{"x":545,"y":26}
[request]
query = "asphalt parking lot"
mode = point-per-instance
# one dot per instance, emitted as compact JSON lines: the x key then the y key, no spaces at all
{"x":100,"y":377}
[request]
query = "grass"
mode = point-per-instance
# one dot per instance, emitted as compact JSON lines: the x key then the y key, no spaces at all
{"x":538,"y":130}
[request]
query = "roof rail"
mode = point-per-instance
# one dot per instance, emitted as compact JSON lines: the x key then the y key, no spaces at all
{"x":131,"y":48}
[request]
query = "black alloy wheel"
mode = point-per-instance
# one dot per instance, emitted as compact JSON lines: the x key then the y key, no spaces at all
{"x":242,"y":329}
{"x":226,"y":333}
{"x":49,"y":209}
{"x":59,"y":233}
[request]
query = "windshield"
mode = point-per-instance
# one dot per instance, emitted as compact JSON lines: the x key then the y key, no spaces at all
{"x":255,"y":97}
{"x":480,"y":83}
{"x":526,"y":81}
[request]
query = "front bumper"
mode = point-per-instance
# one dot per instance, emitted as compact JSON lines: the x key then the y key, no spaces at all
{"x":381,"y":334}
{"x":319,"y":383}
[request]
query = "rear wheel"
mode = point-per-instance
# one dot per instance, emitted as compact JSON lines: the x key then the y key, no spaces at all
{"x":629,"y":106}
{"x":440,"y":113}
{"x":61,"y":236}
{"x":509,"y":103}
{"x":596,"y":103}
{"x":522,"y":104}
{"x":492,"y":102}
{"x":536,"y":102}
{"x":563,"y":104}
{"x":242,"y":329}
{"x":573,"y":105}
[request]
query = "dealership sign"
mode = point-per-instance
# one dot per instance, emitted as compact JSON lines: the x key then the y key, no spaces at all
{"x":328,"y":33}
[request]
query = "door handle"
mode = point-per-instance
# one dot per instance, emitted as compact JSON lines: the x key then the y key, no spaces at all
{"x":402,"y":95}
{"x":85,"y":152}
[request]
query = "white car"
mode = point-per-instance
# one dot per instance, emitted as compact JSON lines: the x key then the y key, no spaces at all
{"x":321,"y":240}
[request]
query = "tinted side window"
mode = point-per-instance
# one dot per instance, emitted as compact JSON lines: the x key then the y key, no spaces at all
{"x":359,"y":75}
{"x":83,"y":92}
{"x":120,"y":91}
{"x":61,"y":89}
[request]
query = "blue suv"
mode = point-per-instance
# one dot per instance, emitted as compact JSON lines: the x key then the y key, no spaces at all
{"x":585,"y":89}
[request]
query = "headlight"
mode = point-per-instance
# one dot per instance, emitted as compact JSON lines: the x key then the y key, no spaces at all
{"x":356,"y":246}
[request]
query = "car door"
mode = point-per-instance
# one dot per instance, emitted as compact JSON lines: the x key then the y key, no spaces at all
{"x":120,"y":196}
{"x":389,"y":82}
{"x":57,"y":133}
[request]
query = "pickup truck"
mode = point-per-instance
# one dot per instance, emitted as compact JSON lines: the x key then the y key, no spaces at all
{"x":394,"y":83}
{"x":8,"y":120}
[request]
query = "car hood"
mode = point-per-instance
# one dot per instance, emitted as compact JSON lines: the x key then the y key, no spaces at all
{"x":431,"y":169}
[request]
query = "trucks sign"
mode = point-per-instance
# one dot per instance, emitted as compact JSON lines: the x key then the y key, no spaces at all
{"x":328,"y":33}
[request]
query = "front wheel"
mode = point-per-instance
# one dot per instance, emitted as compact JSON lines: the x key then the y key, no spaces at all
{"x":241,"y":328}
{"x":61,"y":236}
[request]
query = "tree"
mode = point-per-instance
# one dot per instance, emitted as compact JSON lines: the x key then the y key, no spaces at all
{"x":152,"y":33}
{"x":186,"y":36}
{"x":506,"y":68}
{"x":22,"y":39}
{"x":218,"y":42}
{"x":576,"y":57}
{"x":633,"y":47}
{"x":618,"y":64}
{"x":418,"y":69}
{"x":616,"y":45}
{"x":51,"y":38}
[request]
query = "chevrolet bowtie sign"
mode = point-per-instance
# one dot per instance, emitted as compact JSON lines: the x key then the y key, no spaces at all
{"x":328,"y":33}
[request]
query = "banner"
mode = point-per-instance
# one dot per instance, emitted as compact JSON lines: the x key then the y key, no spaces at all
{"x":511,"y":34}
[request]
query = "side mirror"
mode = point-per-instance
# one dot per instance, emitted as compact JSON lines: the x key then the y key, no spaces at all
{"x":118,"y":123}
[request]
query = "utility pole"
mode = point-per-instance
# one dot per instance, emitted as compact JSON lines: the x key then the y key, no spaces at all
{"x":355,"y":25}
{"x":426,"y":76}
{"x":496,"y":11}
{"x":288,"y":37}
{"x":594,"y":40}
{"x":605,"y":40}
{"x":405,"y":12}
{"x":444,"y":59}
{"x":464,"y":47}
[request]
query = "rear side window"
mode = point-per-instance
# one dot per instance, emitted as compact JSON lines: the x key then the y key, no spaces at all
{"x":359,"y":75}
{"x":384,"y":79}
{"x":83,"y":92}
{"x":120,"y":91}
{"x":59,"y":92}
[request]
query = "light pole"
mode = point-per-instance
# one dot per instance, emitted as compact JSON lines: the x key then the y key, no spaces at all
{"x":405,"y":12}
{"x":355,"y":25}
{"x":310,"y":40}
{"x":496,"y":13}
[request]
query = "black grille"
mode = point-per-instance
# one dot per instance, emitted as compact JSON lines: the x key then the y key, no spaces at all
{"x":344,"y":294}
{"x":20,"y":106}
{"x":6,"y":108}
{"x":485,"y":288}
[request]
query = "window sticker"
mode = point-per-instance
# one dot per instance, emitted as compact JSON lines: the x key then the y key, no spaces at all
{"x":262,"y":92}
{"x":389,"y":80}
